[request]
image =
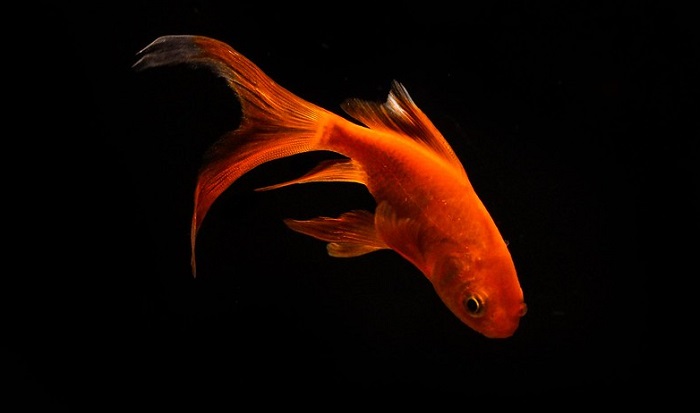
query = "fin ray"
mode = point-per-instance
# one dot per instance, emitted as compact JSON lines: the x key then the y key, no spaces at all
{"x":350,"y":235}
{"x":405,"y":235}
{"x":332,"y":170}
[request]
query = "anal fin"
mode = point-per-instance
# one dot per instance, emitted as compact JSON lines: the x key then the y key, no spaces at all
{"x":350,"y":235}
{"x":332,"y":170}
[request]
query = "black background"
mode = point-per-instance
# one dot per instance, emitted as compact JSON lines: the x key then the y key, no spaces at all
{"x":553,"y":107}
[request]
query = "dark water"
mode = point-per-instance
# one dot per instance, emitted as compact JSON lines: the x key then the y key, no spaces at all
{"x":543,"y":103}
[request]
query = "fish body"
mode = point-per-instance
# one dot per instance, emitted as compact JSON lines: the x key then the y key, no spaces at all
{"x":427,"y":210}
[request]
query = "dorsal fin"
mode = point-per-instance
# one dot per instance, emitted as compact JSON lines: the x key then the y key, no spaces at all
{"x":399,"y":114}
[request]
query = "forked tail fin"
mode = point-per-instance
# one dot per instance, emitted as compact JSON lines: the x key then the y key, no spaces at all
{"x":274,"y":122}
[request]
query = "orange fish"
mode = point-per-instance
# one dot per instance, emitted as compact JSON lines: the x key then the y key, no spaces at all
{"x":427,"y":210}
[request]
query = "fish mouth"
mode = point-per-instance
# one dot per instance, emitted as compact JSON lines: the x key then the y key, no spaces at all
{"x":522,"y":310}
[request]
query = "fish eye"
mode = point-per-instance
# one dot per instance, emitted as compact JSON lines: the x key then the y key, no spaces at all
{"x":474,"y":305}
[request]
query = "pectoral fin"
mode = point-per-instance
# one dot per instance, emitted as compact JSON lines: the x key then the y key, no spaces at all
{"x":333,"y":170}
{"x":350,"y":235}
{"x":405,"y":234}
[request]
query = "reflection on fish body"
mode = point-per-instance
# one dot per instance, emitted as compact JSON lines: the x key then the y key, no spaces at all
{"x":427,"y":210}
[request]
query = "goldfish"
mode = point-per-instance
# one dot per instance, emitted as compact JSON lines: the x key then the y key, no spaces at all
{"x":427,"y":210}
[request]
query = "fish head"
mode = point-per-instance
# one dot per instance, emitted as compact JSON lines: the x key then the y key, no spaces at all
{"x":483,"y":292}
